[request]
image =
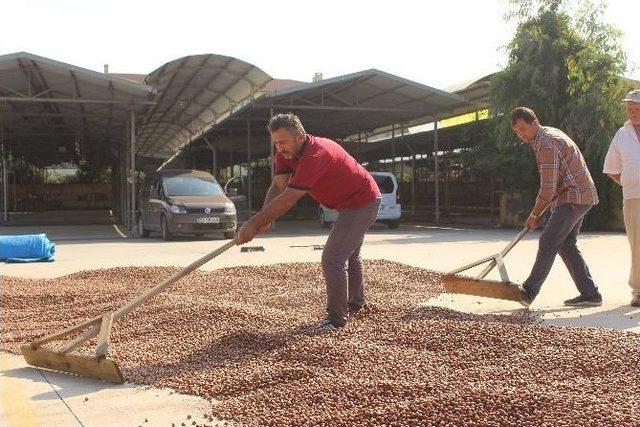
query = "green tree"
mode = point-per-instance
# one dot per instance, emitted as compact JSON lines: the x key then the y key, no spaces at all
{"x":566,"y":65}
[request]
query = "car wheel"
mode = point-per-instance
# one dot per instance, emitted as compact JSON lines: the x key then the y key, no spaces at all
{"x":323,"y":222}
{"x":229,"y":234}
{"x":393,"y":225}
{"x":164,"y":228}
{"x":141,"y":230}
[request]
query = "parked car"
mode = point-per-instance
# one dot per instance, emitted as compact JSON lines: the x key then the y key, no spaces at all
{"x":182,"y":201}
{"x":390,"y":210}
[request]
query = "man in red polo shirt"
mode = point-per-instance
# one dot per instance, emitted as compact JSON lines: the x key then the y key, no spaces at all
{"x":319,"y":166}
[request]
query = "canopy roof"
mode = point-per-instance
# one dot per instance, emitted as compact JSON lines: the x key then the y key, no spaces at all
{"x":53,"y":112}
{"x":366,"y":102}
{"x":195,"y":94}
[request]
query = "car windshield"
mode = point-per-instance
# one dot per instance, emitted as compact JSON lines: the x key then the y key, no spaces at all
{"x":191,"y":186}
{"x":385,"y":183}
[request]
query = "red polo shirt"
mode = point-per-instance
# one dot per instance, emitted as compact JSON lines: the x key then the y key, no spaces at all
{"x":329,"y":174}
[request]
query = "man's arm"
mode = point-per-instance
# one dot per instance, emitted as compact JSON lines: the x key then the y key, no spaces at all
{"x":271,"y":211}
{"x":613,"y":161}
{"x":549,"y":168}
{"x":615,"y":177}
{"x":278,"y":185}
{"x":277,"y":207}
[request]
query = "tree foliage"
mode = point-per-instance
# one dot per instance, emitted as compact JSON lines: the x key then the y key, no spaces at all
{"x":566,"y":64}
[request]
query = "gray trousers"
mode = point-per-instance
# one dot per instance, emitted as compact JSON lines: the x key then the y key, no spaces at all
{"x":341,"y":262}
{"x":560,"y":238}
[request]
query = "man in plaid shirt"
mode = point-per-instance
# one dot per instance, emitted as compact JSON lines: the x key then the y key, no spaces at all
{"x":566,"y":185}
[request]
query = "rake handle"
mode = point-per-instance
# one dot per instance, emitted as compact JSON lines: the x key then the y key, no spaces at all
{"x":515,"y":241}
{"x":150,"y":293}
{"x":501,"y":254}
{"x":520,"y":235}
{"x":128,"y":307}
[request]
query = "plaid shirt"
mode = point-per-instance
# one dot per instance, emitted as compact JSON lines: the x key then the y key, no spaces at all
{"x":563,"y":171}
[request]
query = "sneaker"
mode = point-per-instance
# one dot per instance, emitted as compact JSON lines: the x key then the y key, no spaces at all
{"x":635,"y":301}
{"x":582,"y":301}
{"x":324,"y":326}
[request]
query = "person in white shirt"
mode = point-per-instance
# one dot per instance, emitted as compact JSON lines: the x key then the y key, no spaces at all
{"x":622,"y":164}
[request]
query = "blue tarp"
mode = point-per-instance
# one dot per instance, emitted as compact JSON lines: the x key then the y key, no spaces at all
{"x":26,"y":248}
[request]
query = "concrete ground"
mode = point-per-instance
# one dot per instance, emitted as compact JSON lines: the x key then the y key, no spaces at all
{"x":35,"y":397}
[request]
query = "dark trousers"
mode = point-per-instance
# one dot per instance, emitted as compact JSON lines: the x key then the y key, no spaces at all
{"x":560,"y":237}
{"x":341,"y":262}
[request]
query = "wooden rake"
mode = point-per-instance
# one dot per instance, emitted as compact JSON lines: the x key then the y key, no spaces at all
{"x":99,"y":366}
{"x":479,"y":286}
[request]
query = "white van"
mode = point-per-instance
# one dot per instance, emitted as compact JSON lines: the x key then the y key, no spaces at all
{"x":390,"y":210}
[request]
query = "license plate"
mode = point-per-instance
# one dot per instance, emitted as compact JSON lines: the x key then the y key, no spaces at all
{"x":208,"y":220}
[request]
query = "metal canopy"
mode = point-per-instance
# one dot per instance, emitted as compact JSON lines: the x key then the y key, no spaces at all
{"x":366,"y":101}
{"x":475,"y":90}
{"x":449,"y":138}
{"x":53,"y":112}
{"x":363,"y":103}
{"x":195,"y":94}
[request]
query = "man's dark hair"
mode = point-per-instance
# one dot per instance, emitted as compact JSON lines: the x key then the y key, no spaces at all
{"x":288,"y":121}
{"x":523,"y":113}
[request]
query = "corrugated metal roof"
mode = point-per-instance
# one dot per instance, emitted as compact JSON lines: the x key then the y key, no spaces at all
{"x":137,"y":78}
{"x":450,"y":138}
{"x":44,"y":118}
{"x":369,"y":101}
{"x":174,"y":104}
{"x":195,"y":93}
{"x":280,"y":84}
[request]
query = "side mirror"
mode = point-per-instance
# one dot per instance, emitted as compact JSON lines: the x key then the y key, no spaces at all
{"x":232,"y":192}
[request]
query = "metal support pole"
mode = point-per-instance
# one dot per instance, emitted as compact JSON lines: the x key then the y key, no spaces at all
{"x":447,"y":196}
{"x":121,"y":174}
{"x":249,"y":165}
{"x":393,"y":148}
{"x":413,"y":172}
{"x":123,"y":179}
{"x":413,"y":183}
{"x":436,"y":169}
{"x":120,"y":198}
{"x":5,"y":189}
{"x":5,"y":214}
{"x":15,"y":185}
{"x":132,"y":174}
{"x":125,"y":174}
{"x":214,"y":159}
{"x":272,"y":160}
{"x":233,"y":168}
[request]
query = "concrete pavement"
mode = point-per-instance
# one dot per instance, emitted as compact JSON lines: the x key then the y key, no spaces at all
{"x":28,"y":398}
{"x":35,"y":397}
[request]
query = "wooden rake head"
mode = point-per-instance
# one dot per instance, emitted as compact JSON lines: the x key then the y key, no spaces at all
{"x":98,"y":365}
{"x":479,"y":286}
{"x":62,"y":359}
